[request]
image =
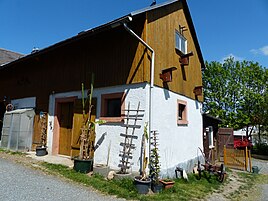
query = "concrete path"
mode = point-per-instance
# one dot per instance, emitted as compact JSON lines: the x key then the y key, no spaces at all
{"x":60,"y":159}
{"x":18,"y":182}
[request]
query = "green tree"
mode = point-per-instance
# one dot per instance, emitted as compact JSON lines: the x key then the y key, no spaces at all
{"x":236,"y":92}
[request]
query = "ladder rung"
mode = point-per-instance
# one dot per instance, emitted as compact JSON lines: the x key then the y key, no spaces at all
{"x":131,"y":126}
{"x":133,"y":115}
{"x":123,"y":161}
{"x":132,"y":146}
{"x":132,"y":118}
{"x":125,"y":156}
{"x":123,"y":166}
{"x":130,"y":136}
{"x":131,"y":110}
{"x":125,"y":152}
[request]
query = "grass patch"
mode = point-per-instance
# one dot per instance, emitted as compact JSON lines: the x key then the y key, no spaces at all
{"x":182,"y":190}
{"x":11,"y":152}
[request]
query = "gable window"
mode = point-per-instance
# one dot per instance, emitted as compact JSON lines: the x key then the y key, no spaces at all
{"x":181,"y":42}
{"x":112,"y":106}
{"x":182,"y":113}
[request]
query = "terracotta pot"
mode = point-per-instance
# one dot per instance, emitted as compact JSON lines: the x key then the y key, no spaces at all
{"x":167,"y":184}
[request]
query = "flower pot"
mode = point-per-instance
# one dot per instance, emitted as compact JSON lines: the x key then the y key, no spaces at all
{"x":41,"y":151}
{"x":101,"y":169}
{"x":167,"y":184}
{"x":83,"y":166}
{"x":142,"y":186}
{"x":119,"y":176}
{"x":157,"y":187}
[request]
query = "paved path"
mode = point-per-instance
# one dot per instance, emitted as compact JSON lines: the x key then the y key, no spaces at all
{"x":24,"y":184}
{"x":261,"y":164}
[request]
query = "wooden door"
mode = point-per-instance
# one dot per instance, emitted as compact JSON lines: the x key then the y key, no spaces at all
{"x":65,"y":116}
{"x":78,"y":122}
{"x":225,"y":138}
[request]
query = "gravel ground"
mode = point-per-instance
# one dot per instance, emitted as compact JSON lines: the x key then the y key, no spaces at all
{"x":21,"y":183}
{"x":261,"y":164}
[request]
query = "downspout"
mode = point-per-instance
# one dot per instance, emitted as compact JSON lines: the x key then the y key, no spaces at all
{"x":151,"y":77}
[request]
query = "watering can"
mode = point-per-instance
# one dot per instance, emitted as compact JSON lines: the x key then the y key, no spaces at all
{"x":255,"y":169}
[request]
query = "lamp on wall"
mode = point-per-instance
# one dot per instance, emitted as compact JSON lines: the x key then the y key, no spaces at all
{"x":166,"y":74}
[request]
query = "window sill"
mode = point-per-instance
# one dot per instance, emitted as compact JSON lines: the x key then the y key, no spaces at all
{"x":182,"y":123}
{"x":112,"y":119}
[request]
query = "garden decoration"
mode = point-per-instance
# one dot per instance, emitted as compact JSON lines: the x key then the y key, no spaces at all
{"x":143,"y":182}
{"x":217,"y":170}
{"x":42,"y":150}
{"x":156,"y":185}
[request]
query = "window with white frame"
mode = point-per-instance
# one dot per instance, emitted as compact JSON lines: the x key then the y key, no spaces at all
{"x":209,"y":133}
{"x":181,"y":42}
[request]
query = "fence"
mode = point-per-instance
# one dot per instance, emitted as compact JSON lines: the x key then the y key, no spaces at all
{"x":237,"y":159}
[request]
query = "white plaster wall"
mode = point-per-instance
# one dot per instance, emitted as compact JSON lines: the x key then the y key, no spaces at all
{"x":177,"y":144}
{"x":134,"y":94}
{"x":110,"y":131}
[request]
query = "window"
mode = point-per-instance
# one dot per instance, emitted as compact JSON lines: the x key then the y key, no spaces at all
{"x":181,"y":42}
{"x":112,"y":106}
{"x":209,"y":134}
{"x":182,"y":113}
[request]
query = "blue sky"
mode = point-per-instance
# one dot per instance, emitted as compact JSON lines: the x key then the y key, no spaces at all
{"x":224,"y":28}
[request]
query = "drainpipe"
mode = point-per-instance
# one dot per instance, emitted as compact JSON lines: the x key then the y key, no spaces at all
{"x":152,"y":78}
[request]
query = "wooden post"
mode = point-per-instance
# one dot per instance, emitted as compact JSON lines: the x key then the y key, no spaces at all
{"x":250,"y":162}
{"x":224,"y":155}
{"x":246,"y":159}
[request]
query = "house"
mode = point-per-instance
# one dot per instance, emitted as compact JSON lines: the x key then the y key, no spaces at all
{"x":150,"y":56}
{"x":7,"y":56}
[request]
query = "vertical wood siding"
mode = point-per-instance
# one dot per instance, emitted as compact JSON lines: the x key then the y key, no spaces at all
{"x":161,"y":27}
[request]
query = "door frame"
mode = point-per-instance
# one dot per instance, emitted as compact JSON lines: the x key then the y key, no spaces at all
{"x":56,"y":132}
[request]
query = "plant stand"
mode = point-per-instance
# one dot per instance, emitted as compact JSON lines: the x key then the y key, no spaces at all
{"x":141,"y":185}
{"x":41,"y":151}
{"x":83,"y":166}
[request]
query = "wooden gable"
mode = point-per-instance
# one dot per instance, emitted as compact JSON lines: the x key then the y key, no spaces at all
{"x":162,"y":23}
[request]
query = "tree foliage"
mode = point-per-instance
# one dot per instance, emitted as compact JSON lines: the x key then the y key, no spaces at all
{"x":236,"y":92}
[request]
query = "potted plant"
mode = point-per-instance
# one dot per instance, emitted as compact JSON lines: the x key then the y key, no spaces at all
{"x":84,"y":162}
{"x":143,"y":182}
{"x":156,"y":185}
{"x":167,"y":183}
{"x":42,"y":149}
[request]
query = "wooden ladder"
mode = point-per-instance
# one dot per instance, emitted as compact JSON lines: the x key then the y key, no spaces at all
{"x":131,"y":126}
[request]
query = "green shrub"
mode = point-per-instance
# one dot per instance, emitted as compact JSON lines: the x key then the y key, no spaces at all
{"x":260,"y":148}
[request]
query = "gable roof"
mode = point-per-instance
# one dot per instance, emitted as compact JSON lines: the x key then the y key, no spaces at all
{"x":7,"y":56}
{"x":116,"y":23}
